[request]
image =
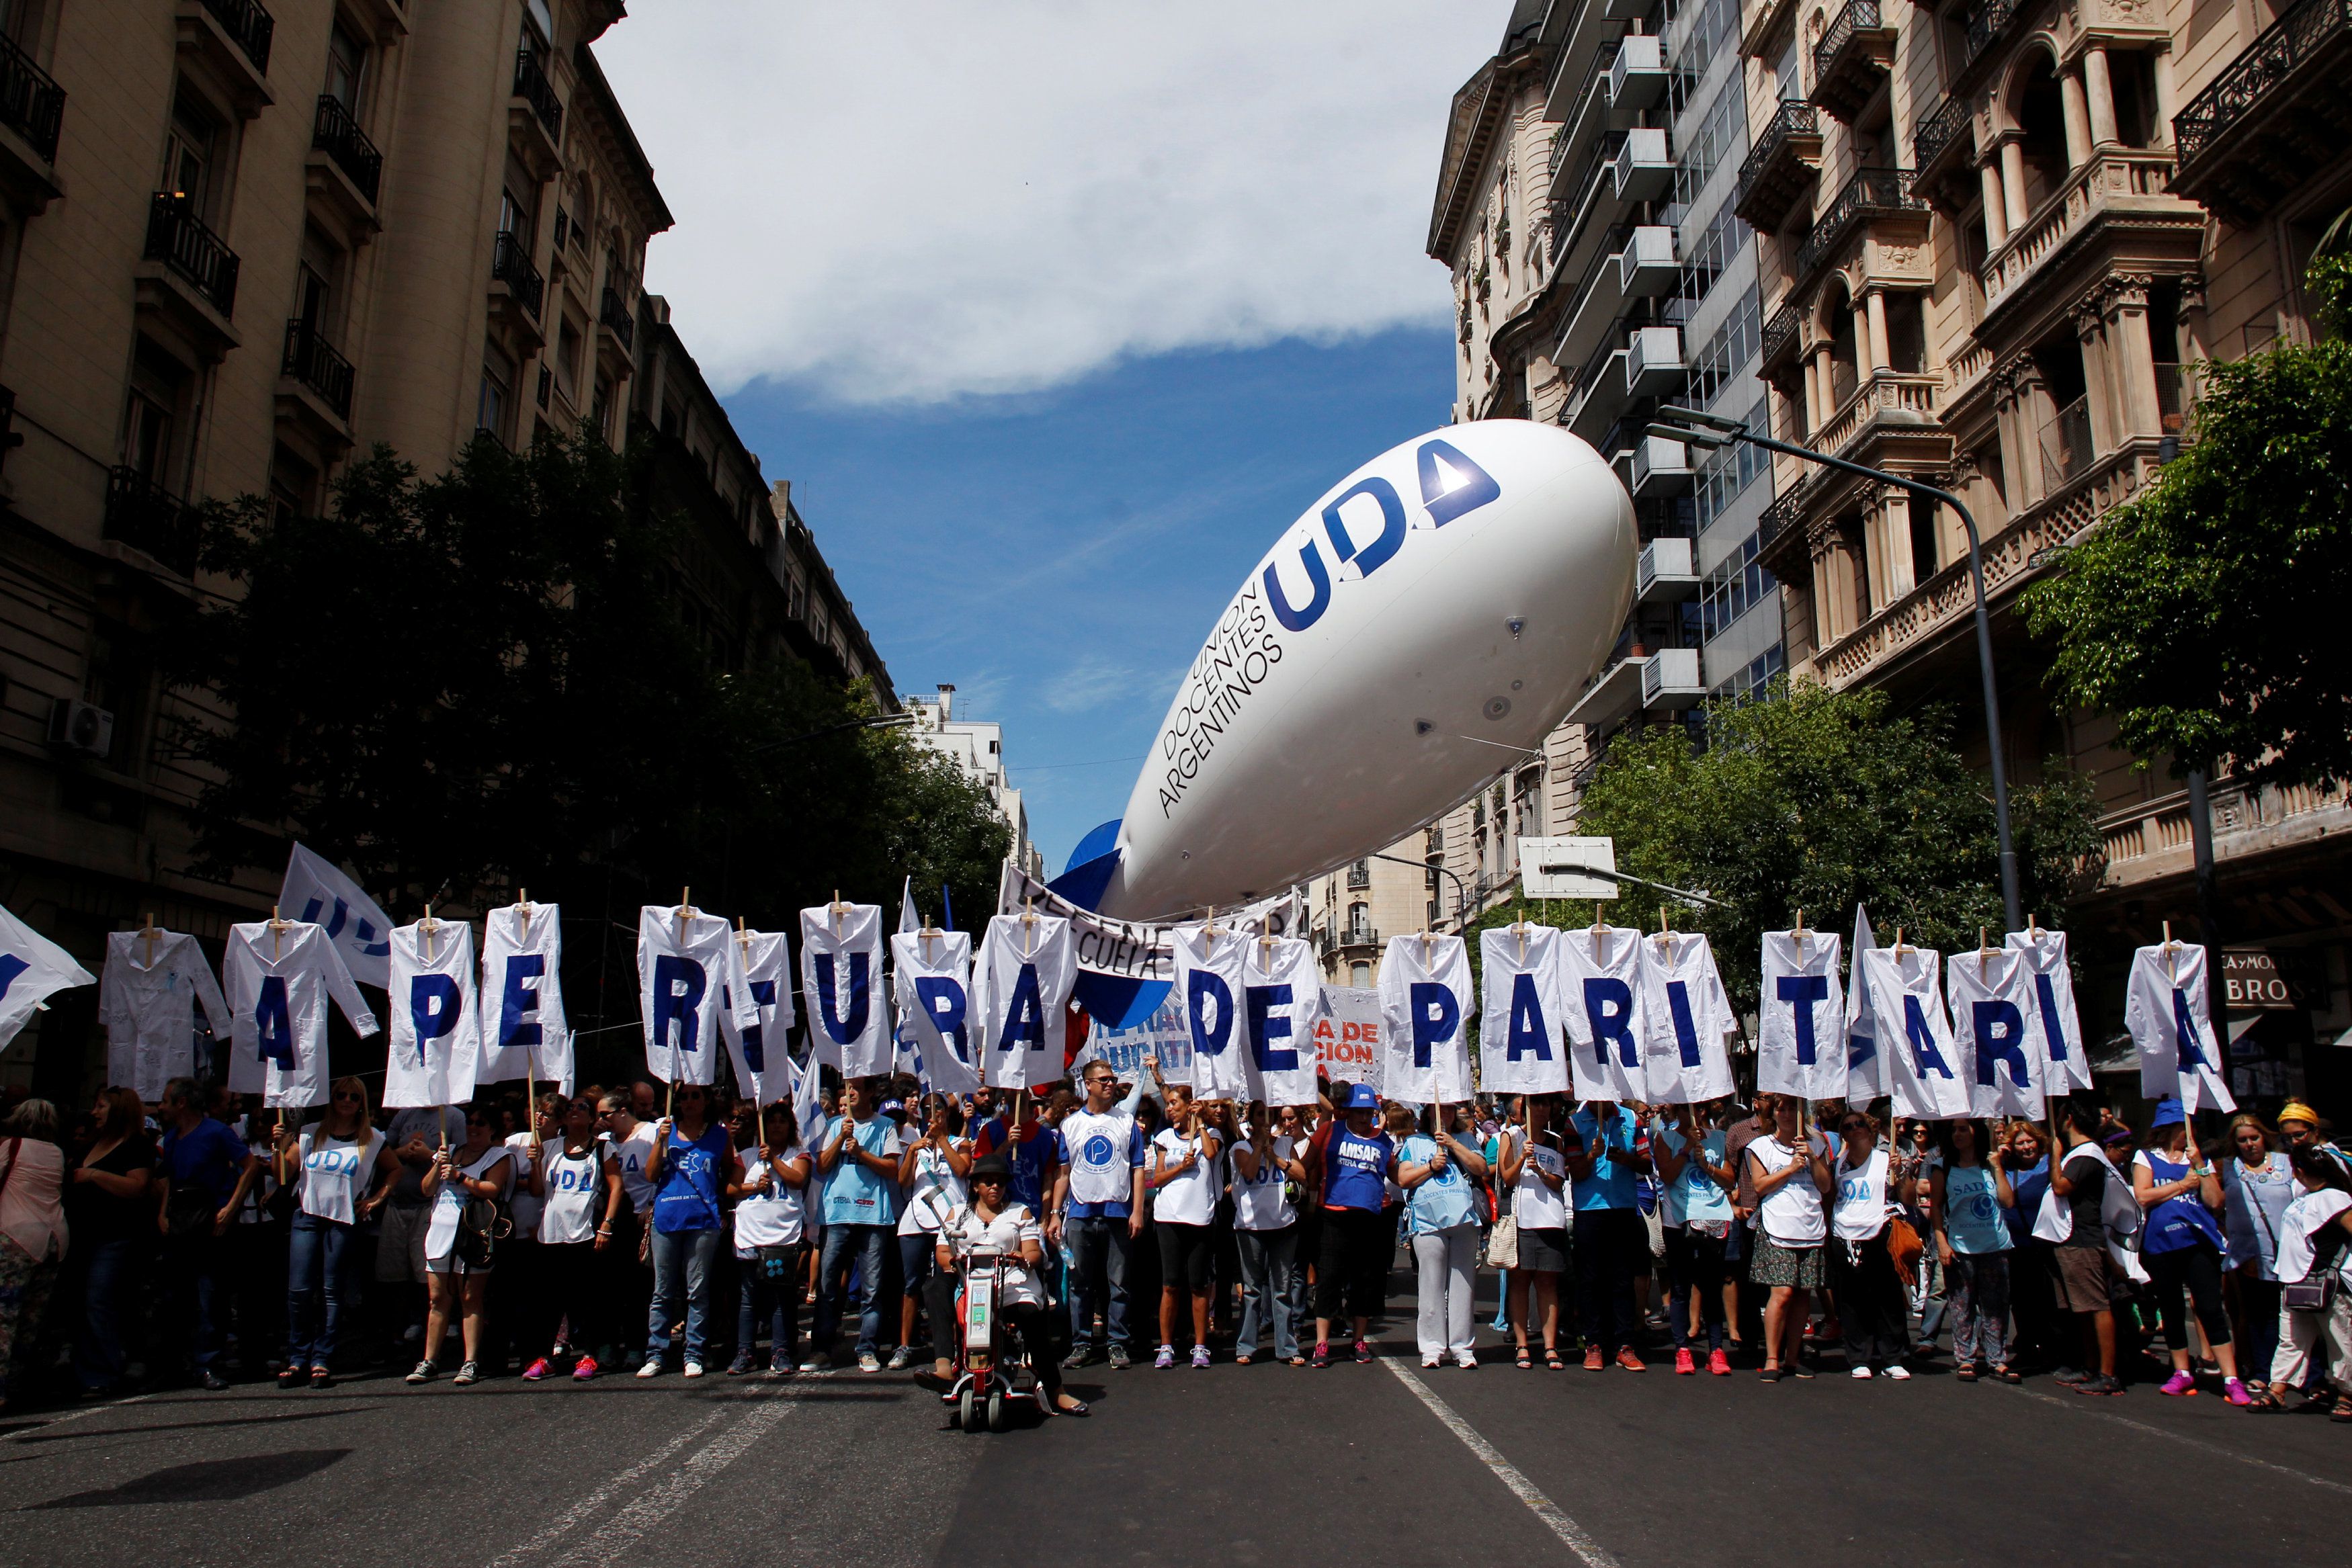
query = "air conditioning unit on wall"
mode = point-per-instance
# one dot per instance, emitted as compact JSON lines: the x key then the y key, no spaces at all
{"x":81,"y":726}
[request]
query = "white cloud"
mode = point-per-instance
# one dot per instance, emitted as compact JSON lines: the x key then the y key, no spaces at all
{"x":924,"y":200}
{"x":1089,"y":682}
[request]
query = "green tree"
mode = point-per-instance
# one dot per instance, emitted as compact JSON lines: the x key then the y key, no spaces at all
{"x":2197,"y":613}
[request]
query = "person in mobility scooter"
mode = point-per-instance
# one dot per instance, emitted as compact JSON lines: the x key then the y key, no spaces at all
{"x":992,"y":1248}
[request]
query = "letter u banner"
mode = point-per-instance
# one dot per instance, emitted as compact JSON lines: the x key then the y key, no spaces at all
{"x":840,"y":979}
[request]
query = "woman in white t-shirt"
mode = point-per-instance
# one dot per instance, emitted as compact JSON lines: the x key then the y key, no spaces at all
{"x":480,"y":1167}
{"x":1266,"y":1233}
{"x":991,"y":1222}
{"x":342,"y":1166}
{"x":770,"y":1190}
{"x":1534,"y":1177}
{"x":1791,"y":1175}
{"x":931,"y":1169}
{"x":1872,"y":1304}
{"x":578,"y":1194}
{"x":1186,"y":1177}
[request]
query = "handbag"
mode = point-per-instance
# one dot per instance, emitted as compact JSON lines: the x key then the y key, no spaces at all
{"x":1503,"y":1243}
{"x":482,"y":1225}
{"x":1902,"y":1249}
{"x":2311,"y":1295}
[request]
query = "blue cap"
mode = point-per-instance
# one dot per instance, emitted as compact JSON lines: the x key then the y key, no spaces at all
{"x":893,"y":1107}
{"x":2169,"y":1114}
{"x":1362,"y":1098}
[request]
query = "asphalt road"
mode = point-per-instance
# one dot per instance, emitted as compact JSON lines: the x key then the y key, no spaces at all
{"x":1230,"y":1466}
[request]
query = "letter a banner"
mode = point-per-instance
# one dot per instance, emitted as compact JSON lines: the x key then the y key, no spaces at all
{"x":436,"y":1016}
{"x":1424,"y":1011}
{"x":1520,"y":1048}
{"x":1208,"y":997}
{"x":2166,"y":1010}
{"x":1992,"y":1024}
{"x":1602,"y":1004}
{"x":523,"y":1022}
{"x":759,"y":1054}
{"x":933,"y":974}
{"x":1907,"y":999}
{"x":1801,"y":1028}
{"x":2057,"y":1029}
{"x":1028,"y":963}
{"x":687,"y":969}
{"x":1690,"y":1018}
{"x":1282,"y":1005}
{"x":841,"y":976}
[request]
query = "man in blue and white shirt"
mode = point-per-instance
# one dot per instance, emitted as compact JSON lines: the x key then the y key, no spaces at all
{"x":1104,"y":1180}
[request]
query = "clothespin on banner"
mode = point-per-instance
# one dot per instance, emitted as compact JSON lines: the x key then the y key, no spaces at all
{"x":1210,"y":931}
{"x":925,"y":935}
{"x":2033,"y":926}
{"x":685,"y":910}
{"x":1984,"y":954}
{"x":1666,"y":929}
{"x":523,"y":903}
{"x":426,"y":928}
{"x":148,"y":933}
{"x":1797,"y":931}
{"x":1029,"y":926}
{"x":2170,"y":949}
{"x":1600,"y":934}
{"x":1266,"y":953}
{"x":277,"y":925}
{"x":833,"y":911}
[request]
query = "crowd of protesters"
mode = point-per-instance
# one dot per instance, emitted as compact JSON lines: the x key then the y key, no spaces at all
{"x":635,"y":1230}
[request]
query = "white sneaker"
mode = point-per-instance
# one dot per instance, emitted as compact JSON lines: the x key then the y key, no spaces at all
{"x":1432,"y":1362}
{"x":1467,"y":1361}
{"x":1898,"y":1372}
{"x":1863,"y":1373}
{"x":652,"y":1368}
{"x":694,"y":1369}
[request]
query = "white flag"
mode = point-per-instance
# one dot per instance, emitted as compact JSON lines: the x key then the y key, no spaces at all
{"x":1865,"y":1063}
{"x":32,"y":969}
{"x":316,"y":890}
{"x":1208,"y":993}
{"x":1602,"y":1007}
{"x":688,"y":969}
{"x":147,"y":999}
{"x":841,"y":976}
{"x":525,"y":1032}
{"x":1282,"y":1003}
{"x":2058,"y":1030}
{"x":757,"y":1051}
{"x":1028,"y":966}
{"x":1922,"y":1061}
{"x":1424,"y":1004}
{"x":932,"y":976}
{"x":2170,"y":1021}
{"x":1801,"y":1027}
{"x":1686,"y":1061}
{"x":1522,"y":1050}
{"x":1992,"y":1024}
{"x":436,"y":1047}
{"x":281,"y":975}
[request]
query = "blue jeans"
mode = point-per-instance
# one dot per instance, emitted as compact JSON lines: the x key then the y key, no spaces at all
{"x":776,"y":1303}
{"x":315,"y":1254}
{"x":682,"y":1261}
{"x":868,"y":1244}
{"x":108,"y":1278}
{"x":1098,"y":1250}
{"x":195,"y":1269}
{"x":1269,"y":1258}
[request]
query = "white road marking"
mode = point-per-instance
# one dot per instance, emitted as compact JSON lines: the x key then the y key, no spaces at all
{"x":72,"y":1416}
{"x":2227,"y":1453}
{"x":1571,"y":1534}
{"x":629,"y":1526}
{"x":587,"y":1507}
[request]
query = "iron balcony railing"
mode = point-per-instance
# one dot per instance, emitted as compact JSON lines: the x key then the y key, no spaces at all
{"x":1937,"y":130}
{"x":1858,"y":13}
{"x":1795,"y":117}
{"x":1780,"y":333}
{"x":2282,"y":48}
{"x":1781,"y":516}
{"x":31,"y":105}
{"x":311,"y":360}
{"x":181,"y":241}
{"x":1987,"y":24}
{"x":510,"y":265}
{"x":145,"y":515}
{"x":615,"y":316}
{"x":251,"y":27}
{"x":1870,"y":192}
{"x":531,"y":84}
{"x":339,"y":136}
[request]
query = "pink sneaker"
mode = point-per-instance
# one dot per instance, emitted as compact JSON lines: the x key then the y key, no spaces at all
{"x":2180,"y":1384}
{"x":585,"y":1369}
{"x":1685,"y":1363}
{"x":535,"y":1371}
{"x":1718,"y":1364}
{"x":2234,"y":1391}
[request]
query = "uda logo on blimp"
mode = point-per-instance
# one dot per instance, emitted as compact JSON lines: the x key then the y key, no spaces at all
{"x":1451,"y":484}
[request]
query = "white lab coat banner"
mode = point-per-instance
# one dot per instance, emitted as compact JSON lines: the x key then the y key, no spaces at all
{"x":1424,"y":1013}
{"x":1992,"y":1024}
{"x":315,"y":890}
{"x":32,"y":969}
{"x":1865,"y":1063}
{"x":1209,"y":991}
{"x":1521,"y":1047}
{"x":1603,"y":1010}
{"x":525,"y":1030}
{"x":147,"y":999}
{"x":688,"y":970}
{"x":841,"y":977}
{"x":281,"y":975}
{"x":1922,"y":1061}
{"x":1021,"y":987}
{"x":1800,"y":1016}
{"x":2166,"y":1010}
{"x":435,"y":1016}
{"x":758,"y":1052}
{"x":2058,"y":1030}
{"x":1282,"y":1007}
{"x":1688,"y":1060}
{"x":932,"y":974}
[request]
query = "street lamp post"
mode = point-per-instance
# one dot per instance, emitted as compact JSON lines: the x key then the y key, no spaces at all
{"x":1714,"y":430}
{"x":1462,"y":889}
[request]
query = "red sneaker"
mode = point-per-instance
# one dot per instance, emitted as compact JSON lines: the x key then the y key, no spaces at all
{"x":1592,"y":1361}
{"x":585,"y":1369}
{"x":1718,"y":1364}
{"x":1629,"y":1361}
{"x":1684,"y":1365}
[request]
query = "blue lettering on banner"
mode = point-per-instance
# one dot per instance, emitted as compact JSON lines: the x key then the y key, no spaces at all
{"x":1317,"y":578}
{"x":340,"y":917}
{"x":1025,"y":1016}
{"x":1266,"y":1026}
{"x":433,"y":1008}
{"x":678,"y":985}
{"x":1686,"y":1027}
{"x":273,"y":1022}
{"x":1206,"y":986}
{"x":1476,"y":489}
{"x":2192,"y":1048}
{"x":2000,"y":1036}
{"x":1371,"y":558}
{"x":2054,"y":1031}
{"x":11,"y":966}
{"x":755,"y":1041}
{"x":1925,"y":1057}
{"x":1802,"y":992}
{"x":842,"y":1029}
{"x":519,"y":1004}
{"x":1530,"y":1032}
{"x":943,"y":1002}
{"x":1609,"y":1005}
{"x":1435,"y":1017}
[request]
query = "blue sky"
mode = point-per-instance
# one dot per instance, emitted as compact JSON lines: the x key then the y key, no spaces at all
{"x":1059,"y":555}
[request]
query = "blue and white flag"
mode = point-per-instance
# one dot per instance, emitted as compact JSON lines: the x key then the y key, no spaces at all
{"x":436,"y":1016}
{"x":2056,"y":1026}
{"x":317,"y":891}
{"x":758,"y":1052}
{"x":1521,"y":1048}
{"x":32,"y":969}
{"x":1866,"y":1064}
{"x":932,"y":975}
{"x":1923,"y":1062}
{"x":841,"y":977}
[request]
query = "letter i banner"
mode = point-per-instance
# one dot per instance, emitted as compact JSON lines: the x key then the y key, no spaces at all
{"x":688,"y":969}
{"x":1993,"y":1026}
{"x":1021,"y":991}
{"x":1688,"y":1061}
{"x":932,"y":976}
{"x":841,"y":981}
{"x":436,"y":1050}
{"x":1520,"y":1048}
{"x":525,"y":1032}
{"x":2171,"y":1024}
{"x":2057,"y":1028}
{"x":1424,"y":1018}
{"x":760,"y":1052}
{"x":1281,"y":1008}
{"x":1208,"y":986}
{"x":1800,"y":1024}
{"x":1922,"y":1061}
{"x":1603,"y":1009}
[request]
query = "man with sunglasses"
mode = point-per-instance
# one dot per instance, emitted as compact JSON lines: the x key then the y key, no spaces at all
{"x":858,"y":1155}
{"x":1104,"y":1213}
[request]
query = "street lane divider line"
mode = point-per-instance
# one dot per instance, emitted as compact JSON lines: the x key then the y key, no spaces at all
{"x":2080,"y":1404}
{"x":1571,"y":1534}
{"x":586,"y":1507}
{"x":630,"y":1525}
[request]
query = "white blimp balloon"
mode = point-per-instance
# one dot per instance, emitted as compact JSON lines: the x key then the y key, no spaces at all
{"x":1450,"y":597}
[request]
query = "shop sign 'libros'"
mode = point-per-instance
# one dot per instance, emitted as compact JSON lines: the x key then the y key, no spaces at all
{"x":1443,"y":605}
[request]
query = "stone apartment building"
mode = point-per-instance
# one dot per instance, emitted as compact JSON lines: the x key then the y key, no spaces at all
{"x":977,"y":747}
